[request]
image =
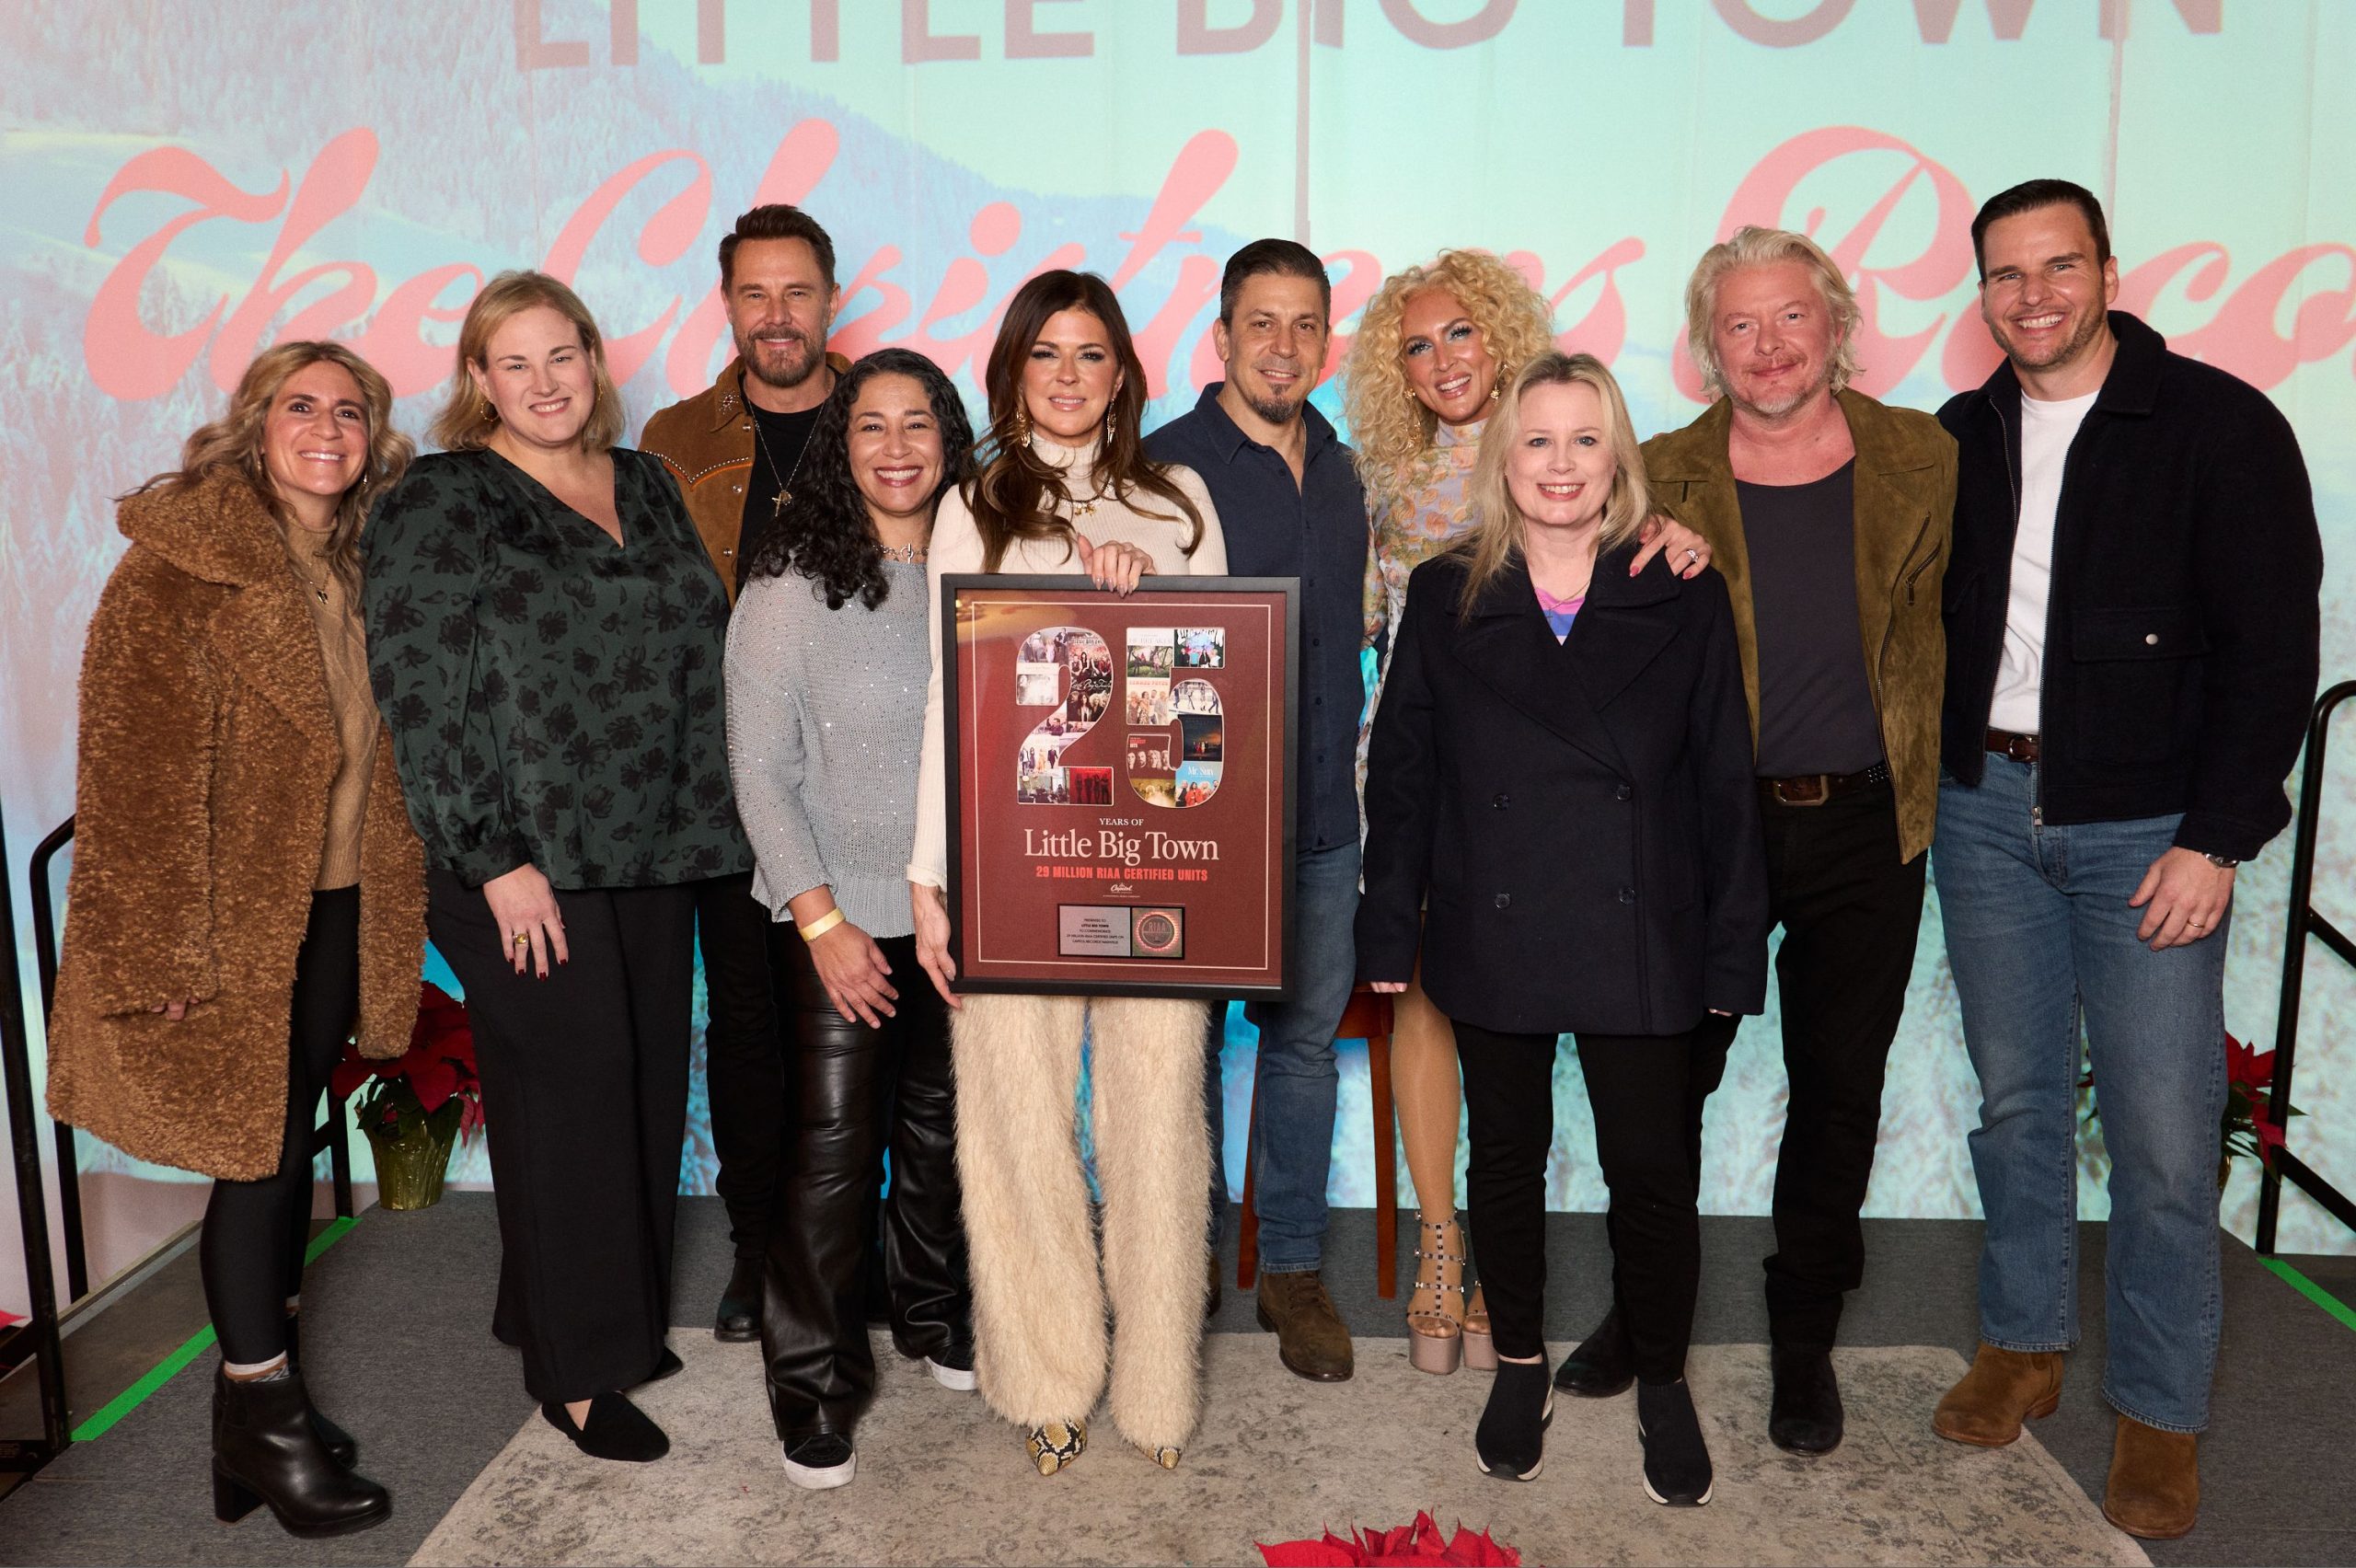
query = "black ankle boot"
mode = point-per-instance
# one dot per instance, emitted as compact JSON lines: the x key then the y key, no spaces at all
{"x":739,"y":1318}
{"x":266,"y":1450}
{"x":338,"y":1443}
{"x":1805,"y":1416}
{"x":1676,"y":1460}
{"x":1604,"y":1364}
{"x":1510,"y":1442}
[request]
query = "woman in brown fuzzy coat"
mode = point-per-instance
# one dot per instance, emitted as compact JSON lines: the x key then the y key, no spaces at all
{"x":245,"y":879}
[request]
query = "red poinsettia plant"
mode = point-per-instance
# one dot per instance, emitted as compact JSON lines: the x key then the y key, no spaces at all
{"x":432,"y":1087}
{"x":2250,"y":1127}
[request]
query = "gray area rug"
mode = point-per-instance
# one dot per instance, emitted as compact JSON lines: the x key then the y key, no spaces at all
{"x":941,"y":1480}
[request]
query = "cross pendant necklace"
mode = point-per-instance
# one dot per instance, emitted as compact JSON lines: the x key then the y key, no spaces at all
{"x":784,"y":481}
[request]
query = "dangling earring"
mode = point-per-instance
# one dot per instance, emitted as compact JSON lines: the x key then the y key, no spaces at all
{"x":1022,"y":424}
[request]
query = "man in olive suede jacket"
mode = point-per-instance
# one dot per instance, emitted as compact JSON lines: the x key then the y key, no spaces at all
{"x":1828,"y":514}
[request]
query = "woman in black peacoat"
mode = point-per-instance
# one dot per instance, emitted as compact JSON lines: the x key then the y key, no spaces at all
{"x":1561,"y":811}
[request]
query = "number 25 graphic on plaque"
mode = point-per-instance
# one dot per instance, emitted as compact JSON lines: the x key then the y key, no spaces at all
{"x":1164,"y":692}
{"x":1068,"y":670}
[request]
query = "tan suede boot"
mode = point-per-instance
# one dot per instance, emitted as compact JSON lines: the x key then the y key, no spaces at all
{"x":2154,"y":1488}
{"x":2002,"y":1388}
{"x":1311,"y":1340}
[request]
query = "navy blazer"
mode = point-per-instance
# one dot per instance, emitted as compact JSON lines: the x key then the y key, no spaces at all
{"x":1570,"y":830}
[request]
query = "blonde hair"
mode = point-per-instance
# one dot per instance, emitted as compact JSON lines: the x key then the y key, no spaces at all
{"x":1755,"y":247}
{"x":1496,"y":537}
{"x":468,"y":420}
{"x":1391,"y":430}
{"x":233,"y":444}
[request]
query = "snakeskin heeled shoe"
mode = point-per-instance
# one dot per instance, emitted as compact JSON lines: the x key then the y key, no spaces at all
{"x":1059,"y":1444}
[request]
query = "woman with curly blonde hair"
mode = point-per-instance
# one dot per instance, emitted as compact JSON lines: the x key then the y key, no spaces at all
{"x":1435,"y":347}
{"x":247,"y":891}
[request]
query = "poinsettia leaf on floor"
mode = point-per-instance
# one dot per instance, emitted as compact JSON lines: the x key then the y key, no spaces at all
{"x":1418,"y":1545}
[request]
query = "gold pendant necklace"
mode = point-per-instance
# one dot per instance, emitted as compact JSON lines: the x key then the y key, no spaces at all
{"x":784,"y":481}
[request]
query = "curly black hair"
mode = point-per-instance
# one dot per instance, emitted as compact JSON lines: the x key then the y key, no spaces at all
{"x":824,"y":533}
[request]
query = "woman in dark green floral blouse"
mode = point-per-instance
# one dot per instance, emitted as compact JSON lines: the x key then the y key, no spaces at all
{"x":545,"y":633}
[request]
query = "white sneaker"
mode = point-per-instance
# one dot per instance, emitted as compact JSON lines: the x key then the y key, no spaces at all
{"x":821,"y":1462}
{"x":960,"y":1378}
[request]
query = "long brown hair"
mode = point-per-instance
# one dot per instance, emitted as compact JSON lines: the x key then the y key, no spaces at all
{"x":468,"y":420}
{"x":233,"y":445}
{"x":1496,"y":538}
{"x":1015,"y":494}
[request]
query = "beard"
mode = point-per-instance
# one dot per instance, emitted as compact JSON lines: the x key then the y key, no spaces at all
{"x":2062,"y":353}
{"x":1786,"y":402}
{"x":794,"y":374}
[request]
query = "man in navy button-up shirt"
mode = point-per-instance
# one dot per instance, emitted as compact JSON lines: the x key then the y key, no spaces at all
{"x":1289,"y":505}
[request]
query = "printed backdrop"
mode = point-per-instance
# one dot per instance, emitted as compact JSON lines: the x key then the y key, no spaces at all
{"x":189,"y":183}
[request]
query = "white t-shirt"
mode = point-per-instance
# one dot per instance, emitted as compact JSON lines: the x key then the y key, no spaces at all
{"x":2047,"y":430}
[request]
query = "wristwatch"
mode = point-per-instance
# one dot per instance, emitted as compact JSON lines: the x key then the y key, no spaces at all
{"x":2227,"y":861}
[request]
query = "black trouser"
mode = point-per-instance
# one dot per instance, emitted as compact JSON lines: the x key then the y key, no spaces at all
{"x":744,"y":1053}
{"x":1215,"y":1113}
{"x":857,"y":1091}
{"x":250,"y":1253}
{"x":1849,"y":910}
{"x":1638,"y":1086}
{"x":584,"y":1090}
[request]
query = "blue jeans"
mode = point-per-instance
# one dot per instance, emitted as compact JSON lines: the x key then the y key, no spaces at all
{"x":1295,"y":1082}
{"x":2040,"y":939}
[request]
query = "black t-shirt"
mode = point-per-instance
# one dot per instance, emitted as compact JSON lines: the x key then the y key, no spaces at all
{"x":777,"y":455}
{"x":1816,"y":705}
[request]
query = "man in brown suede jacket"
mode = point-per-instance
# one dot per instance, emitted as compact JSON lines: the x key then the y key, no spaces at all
{"x":736,"y":449}
{"x":1829,"y":514}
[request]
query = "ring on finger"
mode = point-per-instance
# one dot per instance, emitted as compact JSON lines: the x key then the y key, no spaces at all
{"x":523,"y":939}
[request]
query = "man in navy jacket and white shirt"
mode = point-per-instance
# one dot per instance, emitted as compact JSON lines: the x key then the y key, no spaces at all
{"x":2131,"y":624}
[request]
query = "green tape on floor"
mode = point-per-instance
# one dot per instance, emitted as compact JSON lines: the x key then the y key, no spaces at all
{"x":2313,"y":1292}
{"x":164,"y":1371}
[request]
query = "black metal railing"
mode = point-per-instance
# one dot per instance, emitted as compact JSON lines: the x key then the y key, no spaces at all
{"x":40,"y":1336}
{"x":2301,"y":921}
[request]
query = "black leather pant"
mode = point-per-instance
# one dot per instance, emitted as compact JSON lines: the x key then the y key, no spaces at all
{"x":858,"y":1092}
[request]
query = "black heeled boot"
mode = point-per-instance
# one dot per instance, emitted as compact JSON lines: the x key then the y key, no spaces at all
{"x":339,"y":1444}
{"x":265,"y":1450}
{"x":1603,"y":1365}
{"x":1804,"y":1416}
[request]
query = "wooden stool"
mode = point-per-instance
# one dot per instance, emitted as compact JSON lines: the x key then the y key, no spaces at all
{"x":1367,"y":1018}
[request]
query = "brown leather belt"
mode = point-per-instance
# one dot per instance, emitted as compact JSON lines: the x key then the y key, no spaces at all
{"x":2019,"y":747}
{"x":1814,"y":788}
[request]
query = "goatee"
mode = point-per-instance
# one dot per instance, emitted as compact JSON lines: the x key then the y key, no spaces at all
{"x":797,"y":371}
{"x":1275,"y":410}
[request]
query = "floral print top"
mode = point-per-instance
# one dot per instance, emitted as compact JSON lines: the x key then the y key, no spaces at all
{"x":554,"y":698}
{"x":1412,"y":524}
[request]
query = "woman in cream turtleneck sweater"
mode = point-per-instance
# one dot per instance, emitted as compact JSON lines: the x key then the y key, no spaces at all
{"x":1070,"y":489}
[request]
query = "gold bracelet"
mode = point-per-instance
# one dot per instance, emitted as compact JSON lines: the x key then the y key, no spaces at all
{"x":822,"y":925}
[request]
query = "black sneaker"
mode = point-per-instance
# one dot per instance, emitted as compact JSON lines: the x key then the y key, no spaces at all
{"x":1677,"y":1461}
{"x":821,"y":1460}
{"x":1805,"y":1416}
{"x":953,"y":1368}
{"x":1510,"y":1442}
{"x":1604,"y":1364}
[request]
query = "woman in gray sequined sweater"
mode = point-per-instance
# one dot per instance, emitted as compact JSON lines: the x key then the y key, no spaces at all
{"x":826,"y":668}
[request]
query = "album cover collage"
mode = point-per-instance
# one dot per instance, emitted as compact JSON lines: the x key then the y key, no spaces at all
{"x":1176,"y":739}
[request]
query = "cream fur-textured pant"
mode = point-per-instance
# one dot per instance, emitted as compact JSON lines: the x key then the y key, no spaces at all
{"x":1039,"y":1302}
